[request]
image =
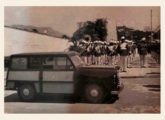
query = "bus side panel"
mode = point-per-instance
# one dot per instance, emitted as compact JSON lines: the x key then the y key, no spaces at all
{"x":58,"y":87}
{"x":58,"y":82}
{"x":24,"y":75}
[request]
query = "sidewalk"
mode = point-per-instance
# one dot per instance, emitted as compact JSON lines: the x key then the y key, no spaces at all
{"x":152,"y":69}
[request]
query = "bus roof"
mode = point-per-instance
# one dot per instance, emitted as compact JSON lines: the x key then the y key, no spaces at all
{"x":46,"y":53}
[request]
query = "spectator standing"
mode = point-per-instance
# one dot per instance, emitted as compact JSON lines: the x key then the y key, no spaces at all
{"x":83,"y":50}
{"x":134,"y":49}
{"x":123,"y":50}
{"x":97,"y":54}
{"x":142,"y":50}
{"x":130,"y":55}
{"x":110,"y":51}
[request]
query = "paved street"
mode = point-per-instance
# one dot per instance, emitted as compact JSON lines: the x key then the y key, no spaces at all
{"x":141,"y":94}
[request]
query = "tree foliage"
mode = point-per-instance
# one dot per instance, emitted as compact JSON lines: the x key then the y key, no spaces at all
{"x":97,"y":30}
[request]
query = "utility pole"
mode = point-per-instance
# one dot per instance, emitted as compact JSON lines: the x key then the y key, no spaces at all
{"x":117,"y":33}
{"x":151,"y":27}
{"x":151,"y":19}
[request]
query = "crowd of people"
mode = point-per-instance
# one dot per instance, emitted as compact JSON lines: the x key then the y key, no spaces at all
{"x":113,"y":52}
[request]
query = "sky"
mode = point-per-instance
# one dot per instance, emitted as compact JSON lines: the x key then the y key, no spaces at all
{"x":65,"y":19}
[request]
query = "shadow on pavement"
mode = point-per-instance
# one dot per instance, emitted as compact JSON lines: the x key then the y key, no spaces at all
{"x":153,"y":67}
{"x":155,"y":88}
{"x":43,"y":98}
{"x":12,"y":98}
{"x":151,"y":76}
{"x":154,"y":73}
{"x":138,"y":66}
{"x":152,"y":86}
{"x":55,"y":98}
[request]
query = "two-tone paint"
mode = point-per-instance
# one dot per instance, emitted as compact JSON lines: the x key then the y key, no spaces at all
{"x":68,"y":81}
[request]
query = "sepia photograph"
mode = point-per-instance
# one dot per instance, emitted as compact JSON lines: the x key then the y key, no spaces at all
{"x":82,"y":59}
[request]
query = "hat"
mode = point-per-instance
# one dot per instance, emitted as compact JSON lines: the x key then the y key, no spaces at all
{"x":143,"y":39}
{"x":122,"y":37}
{"x":127,"y":41}
{"x":83,"y":42}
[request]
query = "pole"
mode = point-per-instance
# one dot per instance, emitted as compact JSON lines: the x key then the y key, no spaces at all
{"x":151,"y":27}
{"x":117,"y":33}
{"x":151,"y":19}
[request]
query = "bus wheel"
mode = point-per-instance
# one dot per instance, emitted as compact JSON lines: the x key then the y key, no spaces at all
{"x":26,"y":93}
{"x":94,"y":93}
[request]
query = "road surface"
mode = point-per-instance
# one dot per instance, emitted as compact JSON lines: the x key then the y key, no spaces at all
{"x":141,"y":94}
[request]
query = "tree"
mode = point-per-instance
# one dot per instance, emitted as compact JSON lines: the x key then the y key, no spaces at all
{"x":95,"y":29}
{"x":100,"y":28}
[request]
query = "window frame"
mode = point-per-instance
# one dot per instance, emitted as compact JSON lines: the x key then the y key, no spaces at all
{"x":41,"y":64}
{"x":62,"y":69}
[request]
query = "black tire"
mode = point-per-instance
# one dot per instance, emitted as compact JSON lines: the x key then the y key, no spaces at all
{"x":94,"y":93}
{"x":111,"y":99}
{"x":26,"y":92}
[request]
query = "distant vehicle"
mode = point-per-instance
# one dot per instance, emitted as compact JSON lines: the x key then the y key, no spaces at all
{"x":61,"y":72}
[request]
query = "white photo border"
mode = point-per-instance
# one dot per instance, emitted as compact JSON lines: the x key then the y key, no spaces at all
{"x":4,"y":116}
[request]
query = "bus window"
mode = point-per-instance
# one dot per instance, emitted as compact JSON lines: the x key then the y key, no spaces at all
{"x":19,"y":63}
{"x":62,"y":63}
{"x":48,"y":63}
{"x":34,"y":62}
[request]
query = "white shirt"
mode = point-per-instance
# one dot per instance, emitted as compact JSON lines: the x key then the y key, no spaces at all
{"x":123,"y":46}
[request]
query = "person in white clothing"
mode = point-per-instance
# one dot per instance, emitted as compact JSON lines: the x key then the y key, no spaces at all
{"x":123,"y":50}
